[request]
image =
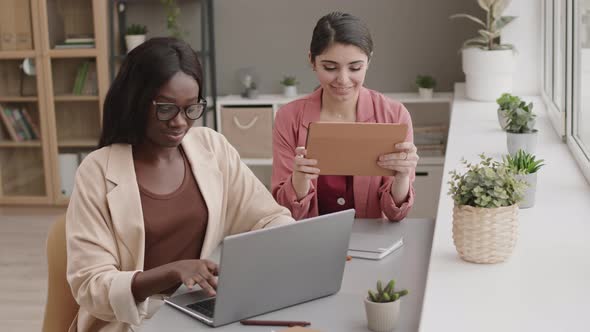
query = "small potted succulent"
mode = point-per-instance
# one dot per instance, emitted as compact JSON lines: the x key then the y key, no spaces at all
{"x":289,"y":84}
{"x":526,"y":166}
{"x":426,"y":85}
{"x":383,"y":307}
{"x":134,"y":36}
{"x":506,"y":102}
{"x":485,"y":216}
{"x":520,"y":129}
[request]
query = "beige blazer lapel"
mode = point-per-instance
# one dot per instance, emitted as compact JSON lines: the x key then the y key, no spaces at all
{"x":125,"y":206}
{"x":210,"y":180}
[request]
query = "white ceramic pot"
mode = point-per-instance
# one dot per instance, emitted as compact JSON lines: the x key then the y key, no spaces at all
{"x":528,"y":199}
{"x":382,"y":317}
{"x":488,"y":74}
{"x":524,"y":141}
{"x":425,"y":93}
{"x":290,"y":91}
{"x":132,"y":41}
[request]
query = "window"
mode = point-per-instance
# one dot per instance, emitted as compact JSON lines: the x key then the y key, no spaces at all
{"x":566,"y":73}
{"x":578,"y":130}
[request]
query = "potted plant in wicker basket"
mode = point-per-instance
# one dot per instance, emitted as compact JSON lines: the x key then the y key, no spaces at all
{"x":526,"y":166}
{"x":520,"y":129}
{"x":506,"y":102}
{"x":485,"y":216}
{"x":383,"y":307}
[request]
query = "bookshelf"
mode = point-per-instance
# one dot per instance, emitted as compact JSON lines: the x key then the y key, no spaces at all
{"x":63,"y":100}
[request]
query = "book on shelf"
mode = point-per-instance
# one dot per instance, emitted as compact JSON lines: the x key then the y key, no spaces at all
{"x":19,"y":124}
{"x":81,"y":74}
{"x":70,"y":46}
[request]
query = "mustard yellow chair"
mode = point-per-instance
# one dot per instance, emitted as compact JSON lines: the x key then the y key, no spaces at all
{"x":61,"y":308}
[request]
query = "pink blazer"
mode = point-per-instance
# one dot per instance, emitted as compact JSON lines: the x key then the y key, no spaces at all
{"x":372,"y":195}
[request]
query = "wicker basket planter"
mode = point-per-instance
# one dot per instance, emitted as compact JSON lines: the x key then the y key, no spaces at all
{"x":485,"y":235}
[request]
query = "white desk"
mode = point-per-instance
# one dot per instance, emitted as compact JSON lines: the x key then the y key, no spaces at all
{"x":544,"y":286}
{"x":345,"y":310}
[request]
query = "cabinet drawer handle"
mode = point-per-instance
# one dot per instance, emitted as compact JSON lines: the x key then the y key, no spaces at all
{"x":247,"y":126}
{"x":421,"y":173}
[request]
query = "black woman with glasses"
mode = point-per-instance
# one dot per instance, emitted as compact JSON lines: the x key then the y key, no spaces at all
{"x":158,"y":196}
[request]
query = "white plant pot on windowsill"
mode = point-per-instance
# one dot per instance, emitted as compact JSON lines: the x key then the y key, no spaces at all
{"x":488,"y":74}
{"x":290,"y":91}
{"x":521,"y":141}
{"x":132,"y":41}
{"x":382,"y":317}
{"x":425,"y":93}
{"x":528,"y":199}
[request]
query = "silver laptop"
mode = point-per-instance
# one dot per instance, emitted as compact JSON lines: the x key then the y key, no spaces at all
{"x":273,"y":268}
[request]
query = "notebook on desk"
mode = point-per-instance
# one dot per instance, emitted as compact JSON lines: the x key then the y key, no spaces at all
{"x":373,"y":246}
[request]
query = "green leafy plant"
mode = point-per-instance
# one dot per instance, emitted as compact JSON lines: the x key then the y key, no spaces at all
{"x":507,"y":102}
{"x":172,"y":16}
{"x":489,"y":34}
{"x":487,"y":184}
{"x":425,"y":81}
{"x":387,"y":294}
{"x":521,"y":119}
{"x":523,"y":162}
{"x":289,"y":80}
{"x":136,"y":29}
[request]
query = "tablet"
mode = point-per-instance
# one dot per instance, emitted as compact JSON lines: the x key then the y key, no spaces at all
{"x":352,"y":148}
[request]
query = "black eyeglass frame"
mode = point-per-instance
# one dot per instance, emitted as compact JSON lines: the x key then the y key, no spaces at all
{"x":202,"y":103}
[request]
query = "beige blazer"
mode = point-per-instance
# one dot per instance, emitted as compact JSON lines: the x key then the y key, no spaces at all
{"x":105,"y":229}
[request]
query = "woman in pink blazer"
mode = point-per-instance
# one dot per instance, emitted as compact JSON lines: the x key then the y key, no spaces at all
{"x":340,"y":51}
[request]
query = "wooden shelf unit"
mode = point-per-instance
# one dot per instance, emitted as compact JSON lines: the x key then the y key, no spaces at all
{"x":68,"y":123}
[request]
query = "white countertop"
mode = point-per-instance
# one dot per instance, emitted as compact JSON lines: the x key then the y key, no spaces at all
{"x":545,"y":285}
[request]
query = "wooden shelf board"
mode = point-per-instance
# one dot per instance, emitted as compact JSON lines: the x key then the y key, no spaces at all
{"x":17,"y":99}
{"x":17,"y":54}
{"x":73,"y":53}
{"x":75,"y":143}
{"x":24,"y":200}
{"x":23,"y":144}
{"x":76,"y":98}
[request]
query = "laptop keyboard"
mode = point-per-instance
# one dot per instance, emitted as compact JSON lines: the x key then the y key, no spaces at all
{"x":206,"y":307}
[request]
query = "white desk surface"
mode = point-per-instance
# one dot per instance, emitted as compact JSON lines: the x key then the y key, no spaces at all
{"x":343,"y":311}
{"x":545,"y":285}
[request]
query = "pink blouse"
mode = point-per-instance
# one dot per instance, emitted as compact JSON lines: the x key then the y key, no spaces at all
{"x":372,"y":194}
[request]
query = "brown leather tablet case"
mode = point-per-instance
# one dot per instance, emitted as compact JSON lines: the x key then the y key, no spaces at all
{"x":352,"y":148}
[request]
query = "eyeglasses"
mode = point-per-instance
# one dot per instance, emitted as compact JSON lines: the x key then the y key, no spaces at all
{"x":168,"y":111}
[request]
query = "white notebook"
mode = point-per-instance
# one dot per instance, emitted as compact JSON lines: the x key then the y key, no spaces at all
{"x":372,"y":246}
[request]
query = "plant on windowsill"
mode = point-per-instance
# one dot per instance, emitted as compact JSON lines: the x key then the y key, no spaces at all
{"x":485,"y":215}
{"x":383,"y":306}
{"x":488,"y":64}
{"x":506,"y":102}
{"x":426,"y":85}
{"x":520,"y":129}
{"x":526,"y":166}
{"x":134,"y":36}
{"x":289,"y":84}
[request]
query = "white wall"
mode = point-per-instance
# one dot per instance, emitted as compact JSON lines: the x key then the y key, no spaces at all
{"x":525,"y":34}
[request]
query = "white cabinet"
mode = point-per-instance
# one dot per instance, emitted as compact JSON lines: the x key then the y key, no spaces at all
{"x":430,"y":118}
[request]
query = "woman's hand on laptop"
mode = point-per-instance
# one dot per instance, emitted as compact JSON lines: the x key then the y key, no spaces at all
{"x":303,"y":172}
{"x":197,"y":271}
